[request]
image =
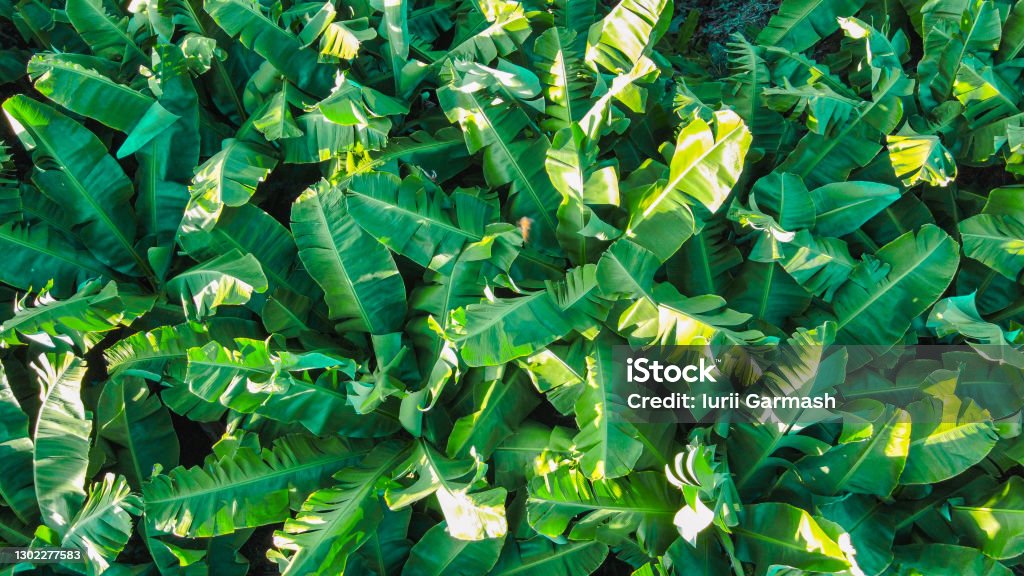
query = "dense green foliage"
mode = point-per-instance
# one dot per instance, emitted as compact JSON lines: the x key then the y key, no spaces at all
{"x":333,"y":287}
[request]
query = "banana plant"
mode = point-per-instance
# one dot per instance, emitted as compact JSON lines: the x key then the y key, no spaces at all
{"x":346,"y":288}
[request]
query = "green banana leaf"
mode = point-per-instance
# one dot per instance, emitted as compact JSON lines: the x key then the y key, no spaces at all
{"x":244,"y":489}
{"x":346,"y":262}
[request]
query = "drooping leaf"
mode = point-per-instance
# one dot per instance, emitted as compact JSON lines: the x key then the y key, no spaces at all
{"x":61,"y":438}
{"x":610,"y":446}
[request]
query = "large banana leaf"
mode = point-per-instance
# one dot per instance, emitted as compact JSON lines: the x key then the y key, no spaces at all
{"x":140,"y":425}
{"x":229,"y":279}
{"x":556,"y":499}
{"x":46,"y":256}
{"x":618,"y":40}
{"x":766,"y":292}
{"x":243,"y":489}
{"x":17,"y":484}
{"x":843,"y":207}
{"x":82,"y":176}
{"x":500,"y":406}
{"x":802,"y":23}
{"x":755,"y":452}
{"x":69,"y":82}
{"x":500,"y":330}
{"x":293,"y":301}
{"x":948,"y":436}
{"x":322,"y":407}
{"x":280,"y":48}
{"x":996,"y":240}
{"x":671,"y":319}
{"x":749,"y":79}
{"x":784,"y":535}
{"x":396,"y":22}
{"x":228,"y":178}
{"x":884,"y":295}
{"x":439,"y":154}
{"x":102,"y":527}
{"x":699,"y":148}
{"x":869,"y":459}
{"x":926,"y":558}
{"x":560,"y":54}
{"x":921,"y":158}
{"x":540,"y":555}
{"x":785,"y":198}
{"x":417,"y":220}
{"x":498,"y":29}
{"x":61,"y":437}
{"x":705,"y":165}
{"x":334,"y":522}
{"x":438,"y":554}
{"x":703,"y":263}
{"x":107,"y":36}
{"x":357,"y":274}
{"x":609,"y":444}
{"x":987,"y":98}
{"x":820,"y":265}
{"x":570,"y":164}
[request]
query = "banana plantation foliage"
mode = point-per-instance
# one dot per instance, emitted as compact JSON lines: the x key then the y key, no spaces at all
{"x":332,"y":288}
